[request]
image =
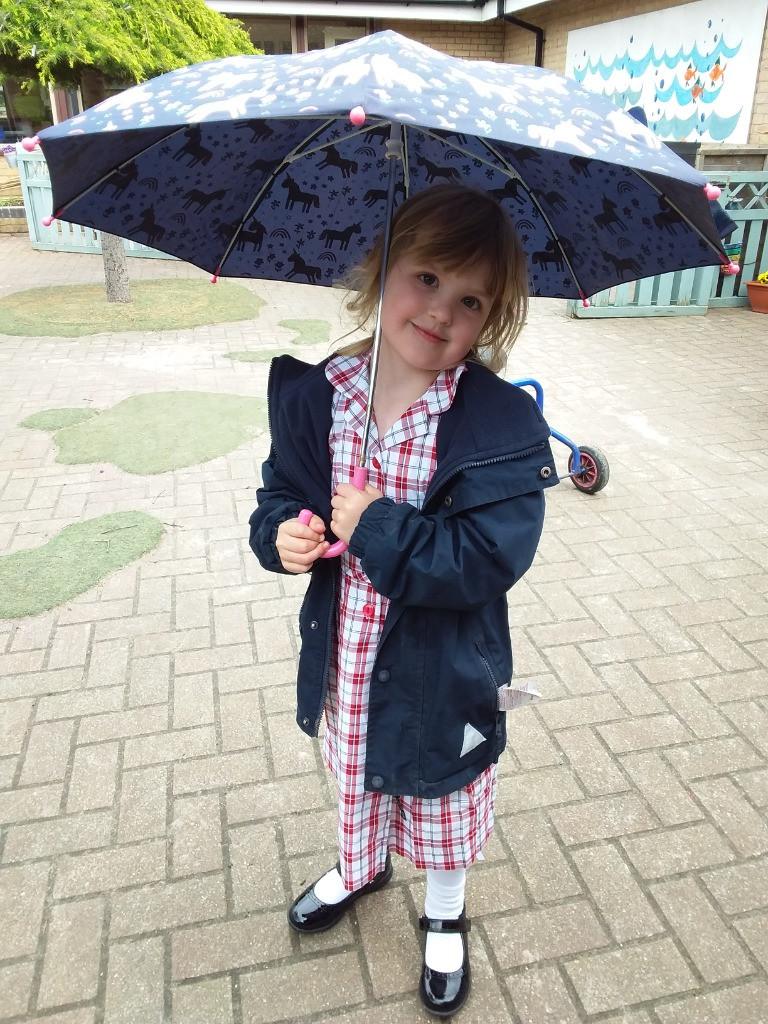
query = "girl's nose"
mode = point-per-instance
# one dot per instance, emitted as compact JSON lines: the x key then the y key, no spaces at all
{"x":441,"y":310}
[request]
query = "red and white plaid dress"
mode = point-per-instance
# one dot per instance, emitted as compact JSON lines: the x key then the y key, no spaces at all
{"x":447,"y":832}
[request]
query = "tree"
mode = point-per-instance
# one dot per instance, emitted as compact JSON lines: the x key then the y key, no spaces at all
{"x":89,"y":42}
{"x":122,"y":40}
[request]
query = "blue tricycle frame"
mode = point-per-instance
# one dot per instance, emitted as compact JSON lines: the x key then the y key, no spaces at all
{"x":587,"y":465}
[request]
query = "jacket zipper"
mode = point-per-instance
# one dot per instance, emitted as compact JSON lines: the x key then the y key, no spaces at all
{"x":434,"y":488}
{"x":328,"y":633}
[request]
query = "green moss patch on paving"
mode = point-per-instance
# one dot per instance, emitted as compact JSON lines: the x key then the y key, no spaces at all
{"x":308,"y":332}
{"x":159,"y":432}
{"x":56,"y":419}
{"x":72,"y":311}
{"x":73,"y":561}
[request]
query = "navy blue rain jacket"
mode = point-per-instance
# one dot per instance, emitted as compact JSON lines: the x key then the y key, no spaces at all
{"x":445,"y":648}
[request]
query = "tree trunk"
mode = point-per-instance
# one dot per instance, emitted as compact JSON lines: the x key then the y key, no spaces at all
{"x":115,"y":268}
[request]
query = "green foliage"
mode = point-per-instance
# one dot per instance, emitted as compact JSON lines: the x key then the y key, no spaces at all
{"x":125,"y":41}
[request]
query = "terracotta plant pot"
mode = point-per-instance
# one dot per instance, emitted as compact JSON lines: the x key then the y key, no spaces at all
{"x":758,"y":296}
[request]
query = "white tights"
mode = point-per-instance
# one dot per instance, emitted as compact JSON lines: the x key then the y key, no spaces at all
{"x":444,"y":901}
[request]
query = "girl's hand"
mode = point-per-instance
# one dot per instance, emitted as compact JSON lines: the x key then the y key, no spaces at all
{"x":299,"y":546}
{"x":348,"y":504}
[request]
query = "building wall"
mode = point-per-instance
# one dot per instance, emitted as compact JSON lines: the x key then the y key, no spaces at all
{"x":559,"y":18}
{"x":493,"y":41}
{"x":481,"y":41}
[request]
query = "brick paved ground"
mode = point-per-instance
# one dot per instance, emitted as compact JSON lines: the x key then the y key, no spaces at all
{"x":158,"y":807}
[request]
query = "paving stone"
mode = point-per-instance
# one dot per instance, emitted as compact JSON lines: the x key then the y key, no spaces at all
{"x":241,"y":726}
{"x":754,"y":932}
{"x":617,"y":894}
{"x":254,"y":854}
{"x":531,"y":935}
{"x":196,"y":835}
{"x":274,"y":799}
{"x":601,"y":818}
{"x":203,"y":1002}
{"x":739,"y":1004}
{"x":668,"y":798}
{"x":539,"y":788}
{"x":135,"y":983}
{"x":220,"y":771}
{"x":179,"y":745}
{"x":22,"y":901}
{"x":741,"y":887}
{"x":229,"y":945}
{"x":193,"y":702}
{"x":301,"y":989}
{"x":106,"y":870}
{"x":154,"y":907}
{"x":595,"y":767}
{"x":677,"y":850}
{"x":540,"y":996}
{"x":94,"y":777}
{"x":73,"y":953}
{"x":644,"y":733}
{"x":143,"y":811}
{"x":15,"y":987}
{"x":47,"y":755}
{"x":717,"y":955}
{"x":41,"y":801}
{"x":755,"y":785}
{"x":15,"y":720}
{"x":739,"y":821}
{"x":695,"y":710}
{"x":713,"y":757}
{"x":634,"y":974}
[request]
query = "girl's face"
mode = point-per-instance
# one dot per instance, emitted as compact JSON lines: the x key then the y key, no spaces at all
{"x":431,"y":317}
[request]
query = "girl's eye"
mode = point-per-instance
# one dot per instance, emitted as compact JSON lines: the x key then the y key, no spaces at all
{"x":428,"y":279}
{"x":471,"y":302}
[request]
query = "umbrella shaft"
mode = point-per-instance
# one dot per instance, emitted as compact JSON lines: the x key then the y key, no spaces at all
{"x":393,"y":152}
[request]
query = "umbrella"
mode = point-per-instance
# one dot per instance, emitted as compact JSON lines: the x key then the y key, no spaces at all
{"x":288,"y":167}
{"x":279,"y":167}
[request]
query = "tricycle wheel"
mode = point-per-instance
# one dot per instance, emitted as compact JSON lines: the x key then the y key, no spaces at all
{"x":594,"y":470}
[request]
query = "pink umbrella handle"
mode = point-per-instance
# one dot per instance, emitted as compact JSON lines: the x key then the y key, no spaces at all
{"x":359,"y":478}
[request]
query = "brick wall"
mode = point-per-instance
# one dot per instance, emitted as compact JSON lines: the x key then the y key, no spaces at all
{"x":481,"y":41}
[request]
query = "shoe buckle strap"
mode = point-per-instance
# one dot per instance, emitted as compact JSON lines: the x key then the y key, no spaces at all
{"x":431,"y":924}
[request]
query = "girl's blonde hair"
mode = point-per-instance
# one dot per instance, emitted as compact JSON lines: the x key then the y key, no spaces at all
{"x":453,"y":226}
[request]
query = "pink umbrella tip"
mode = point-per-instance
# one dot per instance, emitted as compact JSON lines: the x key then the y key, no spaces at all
{"x":47,"y":221}
{"x":712,"y":191}
{"x":357,"y":116}
{"x":30,"y":143}
{"x":731,"y":268}
{"x":215,"y":278}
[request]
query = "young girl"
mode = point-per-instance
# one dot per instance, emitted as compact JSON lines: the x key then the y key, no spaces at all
{"x":405,"y":639}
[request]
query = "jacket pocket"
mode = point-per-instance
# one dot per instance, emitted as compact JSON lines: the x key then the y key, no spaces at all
{"x":489,"y":674}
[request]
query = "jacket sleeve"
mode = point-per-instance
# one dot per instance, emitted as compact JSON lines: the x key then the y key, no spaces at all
{"x":457,"y":561}
{"x":277,"y":502}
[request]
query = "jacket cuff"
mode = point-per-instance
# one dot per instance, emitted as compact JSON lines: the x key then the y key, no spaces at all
{"x":370,"y":523}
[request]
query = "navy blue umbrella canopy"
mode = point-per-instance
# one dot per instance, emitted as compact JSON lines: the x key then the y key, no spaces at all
{"x":252,"y":167}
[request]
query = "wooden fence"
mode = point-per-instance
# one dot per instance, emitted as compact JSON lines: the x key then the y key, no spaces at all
{"x":61,"y":236}
{"x":692,"y":292}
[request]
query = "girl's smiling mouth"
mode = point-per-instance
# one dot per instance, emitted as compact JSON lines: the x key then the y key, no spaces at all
{"x":429,"y":335}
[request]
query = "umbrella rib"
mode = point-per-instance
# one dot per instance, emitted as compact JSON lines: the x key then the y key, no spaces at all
{"x":514,"y":173}
{"x":544,"y":216}
{"x":266,"y":185}
{"x":114,"y":170}
{"x":680,"y":214}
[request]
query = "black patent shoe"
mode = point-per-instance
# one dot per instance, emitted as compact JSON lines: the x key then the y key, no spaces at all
{"x":309,"y":914}
{"x":443,"y":993}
